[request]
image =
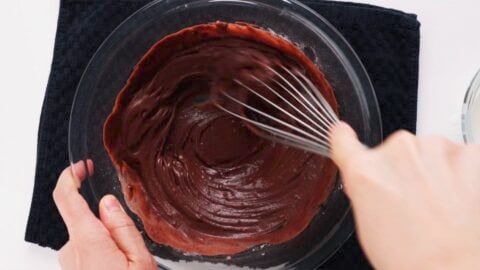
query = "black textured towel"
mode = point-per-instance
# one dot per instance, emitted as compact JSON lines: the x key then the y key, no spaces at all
{"x":387,"y":42}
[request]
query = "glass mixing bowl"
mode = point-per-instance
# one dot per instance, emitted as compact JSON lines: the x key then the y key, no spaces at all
{"x":471,"y":112}
{"x":111,"y":65}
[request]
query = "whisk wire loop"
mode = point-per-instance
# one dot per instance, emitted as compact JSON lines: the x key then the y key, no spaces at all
{"x":303,"y":117}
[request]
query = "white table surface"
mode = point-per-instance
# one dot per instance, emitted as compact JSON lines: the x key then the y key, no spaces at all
{"x":450,"y":56}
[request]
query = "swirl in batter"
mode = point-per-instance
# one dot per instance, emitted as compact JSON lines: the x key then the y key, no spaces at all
{"x":200,"y":180}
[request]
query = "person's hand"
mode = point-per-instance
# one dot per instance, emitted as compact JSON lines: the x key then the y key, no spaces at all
{"x":113,"y":242}
{"x":416,"y":201}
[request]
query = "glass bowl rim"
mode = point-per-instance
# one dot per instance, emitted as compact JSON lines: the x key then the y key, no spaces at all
{"x":471,"y":95}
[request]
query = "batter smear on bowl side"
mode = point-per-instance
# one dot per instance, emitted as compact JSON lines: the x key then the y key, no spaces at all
{"x":200,"y":180}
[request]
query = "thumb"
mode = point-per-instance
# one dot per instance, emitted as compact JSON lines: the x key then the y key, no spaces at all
{"x":123,"y":231}
{"x":344,"y":144}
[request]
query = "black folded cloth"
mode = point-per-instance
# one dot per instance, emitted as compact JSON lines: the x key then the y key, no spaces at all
{"x":387,"y":42}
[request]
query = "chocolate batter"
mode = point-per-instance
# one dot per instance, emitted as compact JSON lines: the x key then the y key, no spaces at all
{"x":201,"y":180}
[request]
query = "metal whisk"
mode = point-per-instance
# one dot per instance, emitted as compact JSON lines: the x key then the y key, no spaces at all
{"x":299,"y":117}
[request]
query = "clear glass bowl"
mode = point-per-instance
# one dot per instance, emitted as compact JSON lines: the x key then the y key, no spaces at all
{"x":471,"y":112}
{"x":111,"y":65}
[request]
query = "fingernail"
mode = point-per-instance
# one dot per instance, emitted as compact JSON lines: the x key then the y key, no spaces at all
{"x":112,"y":204}
{"x":342,"y":124}
{"x":344,"y":127}
{"x":90,"y":167}
{"x":337,"y":126}
{"x":78,"y":170}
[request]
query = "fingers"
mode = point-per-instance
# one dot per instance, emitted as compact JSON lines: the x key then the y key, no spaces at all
{"x":123,"y":231}
{"x":344,"y":143}
{"x":79,"y":170}
{"x":67,"y":257}
{"x":72,"y":207}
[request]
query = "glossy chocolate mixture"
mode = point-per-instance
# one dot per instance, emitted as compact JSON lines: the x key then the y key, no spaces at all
{"x":201,"y":180}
